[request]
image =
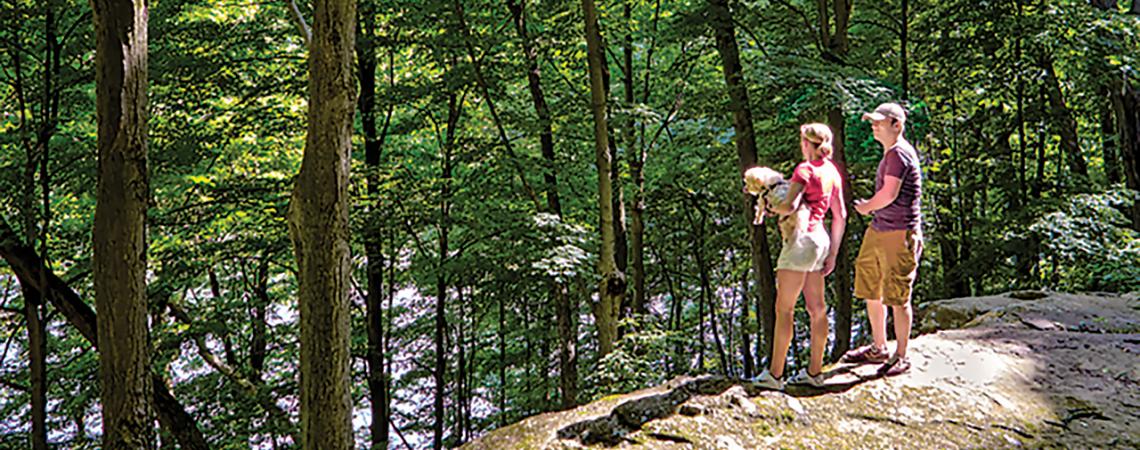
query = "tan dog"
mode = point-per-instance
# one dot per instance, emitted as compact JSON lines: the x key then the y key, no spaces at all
{"x":771,"y":188}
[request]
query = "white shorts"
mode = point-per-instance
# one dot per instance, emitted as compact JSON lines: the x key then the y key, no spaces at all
{"x":806,"y":252}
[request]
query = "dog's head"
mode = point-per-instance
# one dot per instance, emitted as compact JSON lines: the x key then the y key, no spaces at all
{"x":759,"y":179}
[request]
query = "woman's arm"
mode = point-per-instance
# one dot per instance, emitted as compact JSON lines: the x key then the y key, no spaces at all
{"x":838,"y":227}
{"x":795,"y":194}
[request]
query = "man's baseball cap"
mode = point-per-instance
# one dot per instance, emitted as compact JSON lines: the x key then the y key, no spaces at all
{"x":887,"y":111}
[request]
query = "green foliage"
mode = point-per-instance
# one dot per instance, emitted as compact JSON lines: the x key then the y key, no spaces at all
{"x":1087,"y":245}
{"x":640,"y":359}
{"x":227,"y":124}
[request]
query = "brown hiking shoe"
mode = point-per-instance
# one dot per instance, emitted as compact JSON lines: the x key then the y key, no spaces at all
{"x":867,"y":354}
{"x":895,"y":366}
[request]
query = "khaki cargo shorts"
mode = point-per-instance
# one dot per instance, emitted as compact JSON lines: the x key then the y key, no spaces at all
{"x":887,"y":265}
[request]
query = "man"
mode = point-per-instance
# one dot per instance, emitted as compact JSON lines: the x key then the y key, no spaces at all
{"x":888,"y":258}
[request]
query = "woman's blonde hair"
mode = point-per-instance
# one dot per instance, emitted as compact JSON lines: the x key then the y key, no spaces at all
{"x":820,"y":135}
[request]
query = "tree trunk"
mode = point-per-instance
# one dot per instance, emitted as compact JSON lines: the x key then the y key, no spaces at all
{"x":502,"y":332}
{"x":30,"y":270}
{"x":319,"y":227}
{"x":844,"y":271}
{"x":1127,"y":108}
{"x":745,"y":336}
{"x":439,"y":374}
{"x":636,"y":155}
{"x":1109,"y":139}
{"x":485,"y":88}
{"x":563,"y":303}
{"x":373,"y":248}
{"x":1039,"y":179}
{"x":843,"y":268}
{"x":726,"y":46}
{"x":904,"y":30}
{"x":37,"y":358}
{"x":119,"y":249}
{"x":839,"y":41}
{"x":1022,"y":138}
{"x":1066,"y":124}
{"x":462,"y":401}
{"x":258,"y":342}
{"x":611,"y":289}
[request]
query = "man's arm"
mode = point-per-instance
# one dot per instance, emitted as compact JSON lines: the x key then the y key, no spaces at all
{"x":884,"y":197}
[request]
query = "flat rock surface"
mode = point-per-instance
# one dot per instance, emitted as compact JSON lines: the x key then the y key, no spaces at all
{"x":1058,"y":371}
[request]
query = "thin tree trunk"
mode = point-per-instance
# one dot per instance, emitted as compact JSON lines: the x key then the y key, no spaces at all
{"x":1022,"y":139}
{"x":745,"y":336}
{"x":725,"y":32}
{"x":258,"y":342}
{"x":904,"y":54}
{"x":30,"y":270}
{"x":674,"y":319}
{"x":481,"y":81}
{"x":373,"y":248}
{"x":1066,"y":124}
{"x":319,"y":227}
{"x":611,"y":288}
{"x":502,"y":331}
{"x":824,"y":23}
{"x":463,"y":400}
{"x":1039,"y":183}
{"x":1108,"y":137}
{"x":563,"y":303}
{"x":37,"y":359}
{"x":120,"y":216}
{"x":33,"y":306}
{"x":440,"y":372}
{"x":636,"y":155}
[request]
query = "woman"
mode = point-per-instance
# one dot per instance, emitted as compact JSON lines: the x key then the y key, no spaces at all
{"x":808,"y":256}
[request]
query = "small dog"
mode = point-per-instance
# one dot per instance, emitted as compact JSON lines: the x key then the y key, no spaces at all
{"x":771,"y":188}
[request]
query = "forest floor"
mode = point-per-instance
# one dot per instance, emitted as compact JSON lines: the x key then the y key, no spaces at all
{"x":1019,"y":370}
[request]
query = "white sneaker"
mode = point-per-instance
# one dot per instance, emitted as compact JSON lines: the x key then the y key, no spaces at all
{"x":802,"y":377}
{"x":766,"y":380}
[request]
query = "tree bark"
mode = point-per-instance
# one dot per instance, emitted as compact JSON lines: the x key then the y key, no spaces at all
{"x":745,"y":336}
{"x":844,"y":271}
{"x":611,"y":289}
{"x":319,"y":228}
{"x":373,"y":248}
{"x":1066,"y":124}
{"x":1127,"y":108}
{"x":839,"y":41}
{"x":30,"y":270}
{"x":37,"y":361}
{"x":1109,"y":138}
{"x":563,"y":304}
{"x":440,"y":372}
{"x":726,"y":45}
{"x":119,"y":248}
{"x":904,"y":31}
{"x":258,"y":344}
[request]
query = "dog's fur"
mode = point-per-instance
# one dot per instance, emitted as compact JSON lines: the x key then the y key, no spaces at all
{"x":771,"y":188}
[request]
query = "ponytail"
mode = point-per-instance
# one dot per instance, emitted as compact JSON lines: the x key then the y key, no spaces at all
{"x":820,"y":135}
